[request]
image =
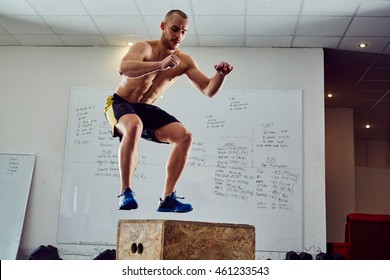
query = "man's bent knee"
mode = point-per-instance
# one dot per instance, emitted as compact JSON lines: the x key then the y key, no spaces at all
{"x":130,"y":126}
{"x":187,"y":138}
{"x":185,"y":141}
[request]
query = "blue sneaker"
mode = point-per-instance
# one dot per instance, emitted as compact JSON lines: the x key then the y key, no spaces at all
{"x":127,"y":200}
{"x":171,"y":204}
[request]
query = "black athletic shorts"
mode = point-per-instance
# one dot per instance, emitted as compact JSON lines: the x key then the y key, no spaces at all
{"x":152,"y":117}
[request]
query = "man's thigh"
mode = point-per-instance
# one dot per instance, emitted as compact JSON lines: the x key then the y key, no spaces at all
{"x":172,"y":132}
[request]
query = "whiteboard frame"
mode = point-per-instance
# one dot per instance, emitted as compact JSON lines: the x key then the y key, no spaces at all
{"x":108,"y":93}
{"x":12,"y":214}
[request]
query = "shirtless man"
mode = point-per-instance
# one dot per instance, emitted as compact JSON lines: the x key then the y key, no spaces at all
{"x":148,"y":69}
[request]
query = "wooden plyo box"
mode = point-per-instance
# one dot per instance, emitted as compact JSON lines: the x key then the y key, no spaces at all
{"x":184,"y":240}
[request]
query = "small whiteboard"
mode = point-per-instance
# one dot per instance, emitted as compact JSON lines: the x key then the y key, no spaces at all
{"x":15,"y":180}
{"x":245,"y":166}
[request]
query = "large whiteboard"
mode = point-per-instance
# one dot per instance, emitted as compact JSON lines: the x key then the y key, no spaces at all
{"x":16,"y":172}
{"x":245,"y":166}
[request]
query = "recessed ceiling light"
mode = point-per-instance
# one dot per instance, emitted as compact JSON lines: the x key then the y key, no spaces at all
{"x":362,"y":45}
{"x":330,"y":95}
{"x":368,"y":125}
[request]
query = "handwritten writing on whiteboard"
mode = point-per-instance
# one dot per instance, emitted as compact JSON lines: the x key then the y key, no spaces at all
{"x":255,"y":171}
{"x":85,"y":125}
{"x":198,"y":154}
{"x":272,"y":136}
{"x":107,"y":157}
{"x":231,"y":178}
{"x":13,"y":166}
{"x":237,"y":105}
{"x":271,"y":185}
{"x":214,"y":122}
{"x":274,"y":187}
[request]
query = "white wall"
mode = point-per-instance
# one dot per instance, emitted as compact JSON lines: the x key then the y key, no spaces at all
{"x":372,"y":176}
{"x":372,"y":190}
{"x":35,"y":85}
{"x":340,"y":171}
{"x":372,"y":153}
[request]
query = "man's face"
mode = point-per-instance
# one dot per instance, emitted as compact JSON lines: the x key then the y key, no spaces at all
{"x":174,"y":31}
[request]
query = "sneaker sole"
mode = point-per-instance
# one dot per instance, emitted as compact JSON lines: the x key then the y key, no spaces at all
{"x":173,"y":210}
{"x":128,"y":207}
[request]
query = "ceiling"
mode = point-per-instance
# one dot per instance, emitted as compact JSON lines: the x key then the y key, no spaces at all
{"x":338,"y":24}
{"x":360,"y":81}
{"x":358,"y":78}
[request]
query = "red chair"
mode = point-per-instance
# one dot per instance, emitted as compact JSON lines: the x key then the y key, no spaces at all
{"x":367,"y":237}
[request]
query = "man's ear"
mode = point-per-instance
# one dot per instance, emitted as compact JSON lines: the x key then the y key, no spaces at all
{"x":162,"y":26}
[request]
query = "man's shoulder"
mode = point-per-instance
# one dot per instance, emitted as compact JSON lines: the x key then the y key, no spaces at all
{"x":144,"y":48}
{"x":184,"y":56}
{"x":145,"y":44}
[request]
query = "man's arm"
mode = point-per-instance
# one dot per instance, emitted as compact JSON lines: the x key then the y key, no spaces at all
{"x":208,"y":86}
{"x":134,"y":64}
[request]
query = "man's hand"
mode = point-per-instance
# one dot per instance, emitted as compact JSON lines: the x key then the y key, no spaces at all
{"x":170,"y":61}
{"x":224,"y":68}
